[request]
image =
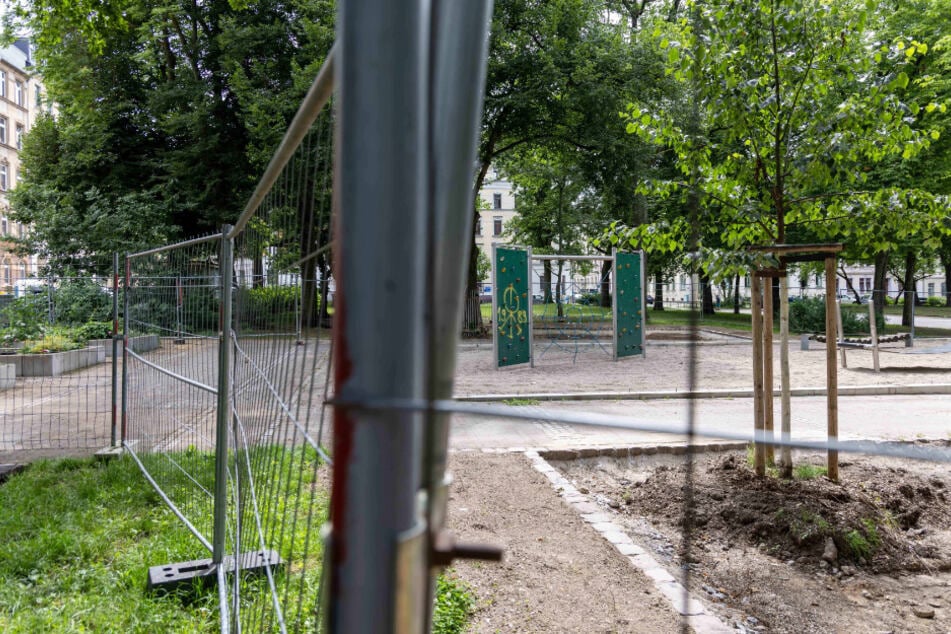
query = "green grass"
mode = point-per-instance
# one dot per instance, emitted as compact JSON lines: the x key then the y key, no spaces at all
{"x":921,"y":311}
{"x":572,"y":312}
{"x":808,"y":472}
{"x":77,"y":537}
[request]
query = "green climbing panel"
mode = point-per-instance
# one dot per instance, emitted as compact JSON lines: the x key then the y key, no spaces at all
{"x":629,"y":291}
{"x":512,"y":302}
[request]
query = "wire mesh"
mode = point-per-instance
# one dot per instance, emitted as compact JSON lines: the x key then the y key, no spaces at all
{"x":171,"y":318}
{"x":283,"y":306}
{"x":56,"y":387}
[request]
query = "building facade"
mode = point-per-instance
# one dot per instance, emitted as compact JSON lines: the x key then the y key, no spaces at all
{"x":22,"y":100}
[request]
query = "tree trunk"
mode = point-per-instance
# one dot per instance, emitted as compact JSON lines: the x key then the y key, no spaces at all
{"x":546,"y":281}
{"x":706,"y":302}
{"x":908,"y":308}
{"x":946,"y":265}
{"x":736,"y":294}
{"x":606,"y":283}
{"x":472,"y":308}
{"x":323,"y":308}
{"x":257,"y":270}
{"x":559,"y":291}
{"x":658,"y":291}
{"x":878,"y":282}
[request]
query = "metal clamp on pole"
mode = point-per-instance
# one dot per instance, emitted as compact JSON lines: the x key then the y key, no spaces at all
{"x":445,"y":549}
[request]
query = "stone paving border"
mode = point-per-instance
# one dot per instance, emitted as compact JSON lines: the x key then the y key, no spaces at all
{"x":844,"y":390}
{"x":698,"y":616}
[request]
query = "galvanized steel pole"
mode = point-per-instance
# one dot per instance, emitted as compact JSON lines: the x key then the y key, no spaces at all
{"x":114,"y":427}
{"x":377,"y":553}
{"x":223,"y":418}
{"x":459,"y":47}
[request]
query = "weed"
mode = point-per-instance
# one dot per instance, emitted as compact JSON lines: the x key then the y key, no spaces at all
{"x":453,"y":605}
{"x":808,"y":472}
{"x":521,"y":402}
{"x":862,"y":544}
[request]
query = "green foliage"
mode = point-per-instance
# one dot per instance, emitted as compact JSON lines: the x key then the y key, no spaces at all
{"x":809,"y":315}
{"x":269,"y":307}
{"x":91,"y":330}
{"x":453,"y":605}
{"x":51,"y":343}
{"x":935,"y":301}
{"x":80,"y":300}
{"x":26,"y":318}
{"x":164,"y":112}
{"x":782,"y":111}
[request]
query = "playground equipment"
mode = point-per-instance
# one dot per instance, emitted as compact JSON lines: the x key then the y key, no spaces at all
{"x":513,"y":307}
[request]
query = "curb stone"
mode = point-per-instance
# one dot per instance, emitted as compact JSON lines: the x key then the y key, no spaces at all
{"x":701,"y":619}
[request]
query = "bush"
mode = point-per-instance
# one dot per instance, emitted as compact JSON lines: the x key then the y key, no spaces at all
{"x":809,"y":315}
{"x":269,"y":307}
{"x":92,"y":330}
{"x":78,"y":301}
{"x":50,"y":343}
{"x":590,"y":299}
{"x":936,"y":301}
{"x":26,"y":318}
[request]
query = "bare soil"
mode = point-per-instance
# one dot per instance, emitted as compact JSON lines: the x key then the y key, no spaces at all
{"x":558,"y":575}
{"x":871,"y":553}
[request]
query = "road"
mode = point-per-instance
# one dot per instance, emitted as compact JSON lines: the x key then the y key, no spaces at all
{"x":922,"y":322}
{"x":860,"y":417}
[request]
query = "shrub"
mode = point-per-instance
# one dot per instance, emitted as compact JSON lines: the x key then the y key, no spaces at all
{"x":269,"y":307}
{"x":936,"y":301}
{"x":78,"y":301}
{"x":50,"y":343}
{"x":809,"y":315}
{"x":26,"y":318}
{"x":92,"y":330}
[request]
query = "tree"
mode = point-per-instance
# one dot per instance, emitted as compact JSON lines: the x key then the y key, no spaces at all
{"x":792,"y":106}
{"x":558,"y":74}
{"x":165,"y":113}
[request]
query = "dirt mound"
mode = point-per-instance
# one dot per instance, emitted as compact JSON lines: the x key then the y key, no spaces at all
{"x":879,"y":518}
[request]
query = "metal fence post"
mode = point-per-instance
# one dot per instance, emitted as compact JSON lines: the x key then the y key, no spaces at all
{"x":379,"y":538}
{"x":458,"y":67}
{"x":125,"y":346}
{"x":115,"y":349}
{"x":223,"y":417}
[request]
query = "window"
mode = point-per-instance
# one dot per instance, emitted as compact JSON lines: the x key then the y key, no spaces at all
{"x":3,"y":185}
{"x":3,"y":83}
{"x":479,"y":227}
{"x":18,"y":92}
{"x":4,"y":226}
{"x":19,"y":137}
{"x":39,"y":96}
{"x":3,"y":130}
{"x":22,"y":271}
{"x":861,"y":284}
{"x":496,"y":201}
{"x":930,"y":289}
{"x":497,"y":226}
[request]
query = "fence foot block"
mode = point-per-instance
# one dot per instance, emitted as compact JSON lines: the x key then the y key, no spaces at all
{"x":108,"y":453}
{"x":169,"y":576}
{"x":7,"y":470}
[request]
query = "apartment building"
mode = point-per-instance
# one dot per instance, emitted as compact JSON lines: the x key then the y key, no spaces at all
{"x":21,"y":102}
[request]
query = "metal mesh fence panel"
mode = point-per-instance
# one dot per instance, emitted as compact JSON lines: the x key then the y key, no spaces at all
{"x":56,"y":363}
{"x":171,"y":327}
{"x":283,"y":305}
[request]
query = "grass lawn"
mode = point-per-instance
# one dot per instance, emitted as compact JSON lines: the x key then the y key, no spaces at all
{"x":78,"y":537}
{"x":922,"y":311}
